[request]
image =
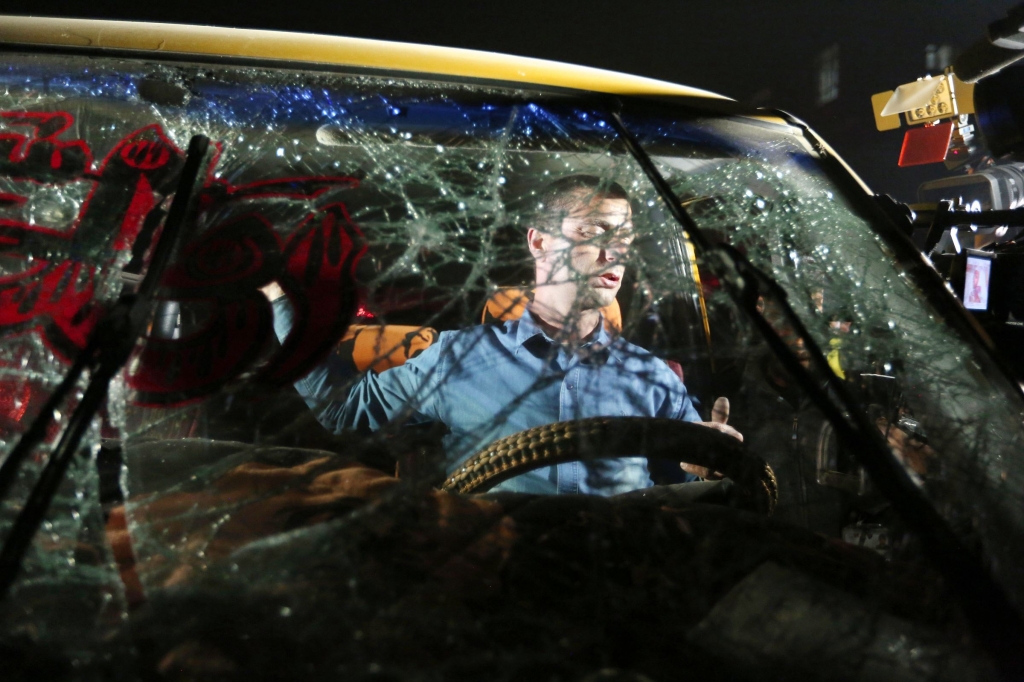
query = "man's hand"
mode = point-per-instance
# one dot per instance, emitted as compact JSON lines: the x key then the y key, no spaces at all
{"x":272,"y":291}
{"x":719,"y":417}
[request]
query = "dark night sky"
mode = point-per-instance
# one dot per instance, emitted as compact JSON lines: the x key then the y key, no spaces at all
{"x":755,"y":51}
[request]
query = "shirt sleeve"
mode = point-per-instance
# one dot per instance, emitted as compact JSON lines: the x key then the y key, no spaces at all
{"x":324,"y":381}
{"x":409,"y":391}
{"x":687,"y":412}
{"x":680,"y":405}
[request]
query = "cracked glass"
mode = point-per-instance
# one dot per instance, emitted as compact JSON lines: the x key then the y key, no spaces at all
{"x":870,"y":318}
{"x":378,"y":278}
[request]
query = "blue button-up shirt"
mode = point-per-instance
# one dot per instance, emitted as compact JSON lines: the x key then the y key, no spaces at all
{"x":490,"y":381}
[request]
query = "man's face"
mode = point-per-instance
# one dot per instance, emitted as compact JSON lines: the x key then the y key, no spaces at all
{"x":590,"y":250}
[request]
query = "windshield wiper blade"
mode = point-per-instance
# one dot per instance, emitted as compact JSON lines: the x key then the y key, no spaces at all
{"x":106,"y":351}
{"x":996,"y":623}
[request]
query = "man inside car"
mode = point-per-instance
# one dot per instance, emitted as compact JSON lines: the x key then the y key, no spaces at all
{"x":557,"y":362}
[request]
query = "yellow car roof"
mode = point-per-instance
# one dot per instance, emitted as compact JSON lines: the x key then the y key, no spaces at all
{"x":358,"y":53}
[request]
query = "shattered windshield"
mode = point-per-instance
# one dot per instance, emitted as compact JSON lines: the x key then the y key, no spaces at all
{"x":952,"y":421}
{"x":381,"y":278}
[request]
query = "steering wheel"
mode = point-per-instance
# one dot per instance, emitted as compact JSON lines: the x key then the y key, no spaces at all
{"x":608,"y":437}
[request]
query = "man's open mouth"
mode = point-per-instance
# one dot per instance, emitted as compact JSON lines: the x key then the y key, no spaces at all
{"x":609,"y":279}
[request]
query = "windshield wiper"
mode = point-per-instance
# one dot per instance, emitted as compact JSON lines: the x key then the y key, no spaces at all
{"x":997,"y":625}
{"x":108,"y":348}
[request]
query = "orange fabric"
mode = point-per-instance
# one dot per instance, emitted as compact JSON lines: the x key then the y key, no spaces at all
{"x":121,"y":546}
{"x":381,"y":347}
{"x":509,"y":303}
{"x":252,"y":500}
{"x":256,"y":500}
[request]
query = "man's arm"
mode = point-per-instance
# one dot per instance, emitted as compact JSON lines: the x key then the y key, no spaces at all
{"x":324,"y":380}
{"x":409,"y":390}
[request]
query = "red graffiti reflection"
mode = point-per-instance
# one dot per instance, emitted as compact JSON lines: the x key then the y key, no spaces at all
{"x":218,"y":272}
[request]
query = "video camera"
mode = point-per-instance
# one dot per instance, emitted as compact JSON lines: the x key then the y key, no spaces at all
{"x":971,"y":118}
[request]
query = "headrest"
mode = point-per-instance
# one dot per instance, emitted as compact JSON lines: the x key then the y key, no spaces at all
{"x":509,"y":303}
{"x":381,"y":347}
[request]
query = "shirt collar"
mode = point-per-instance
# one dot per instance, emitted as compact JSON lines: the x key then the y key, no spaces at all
{"x":529,"y":329}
